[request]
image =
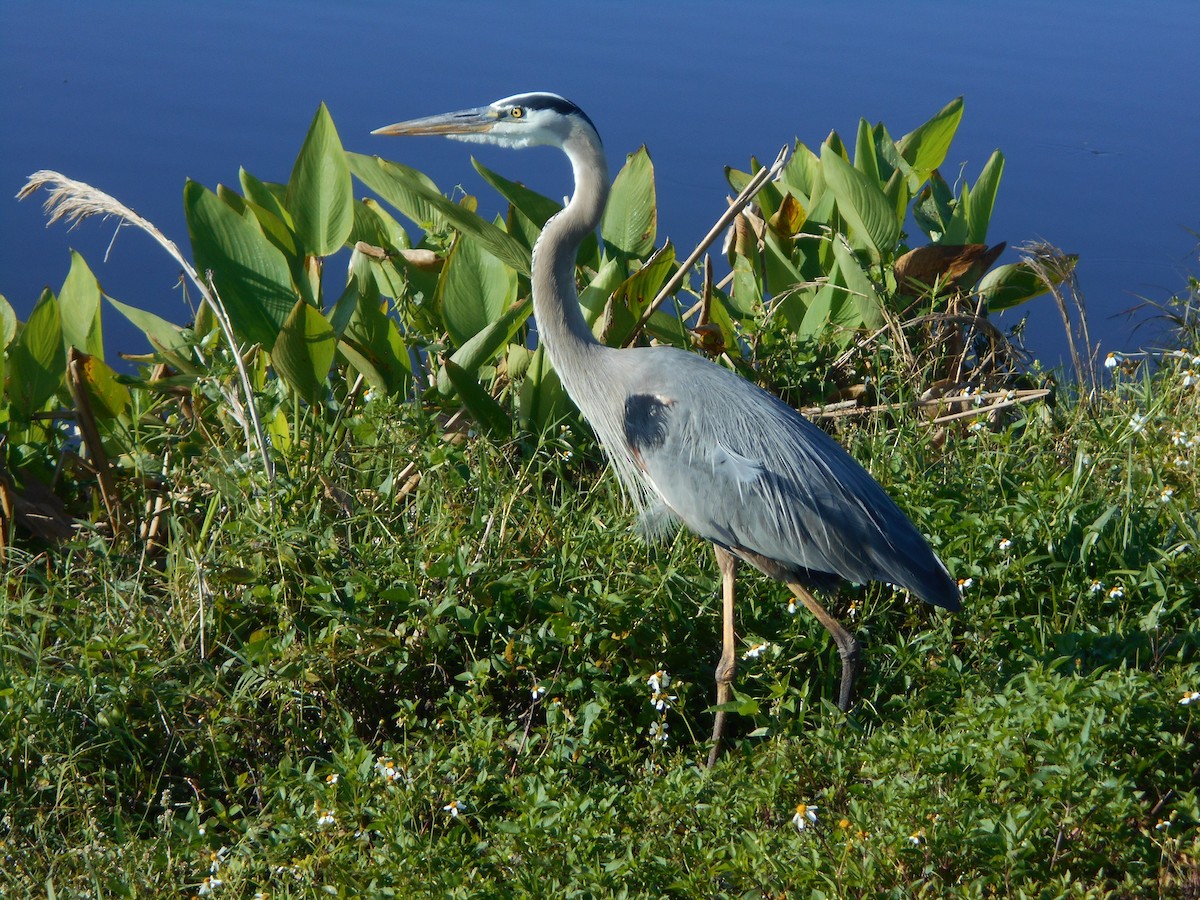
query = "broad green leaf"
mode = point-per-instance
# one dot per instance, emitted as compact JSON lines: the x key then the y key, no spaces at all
{"x":542,"y":400}
{"x":802,"y":173}
{"x":79,"y":306}
{"x":956,"y":228}
{"x":250,"y":273}
{"x":1012,"y":284}
{"x":531,"y":204}
{"x":419,"y":199}
{"x":934,"y":207}
{"x":865,"y":298}
{"x":484,"y":346}
{"x":165,"y":337}
{"x":818,"y":313}
{"x":983,"y":199}
{"x":865,"y":159}
{"x":8,"y":323}
{"x":872,"y":219}
{"x":594,"y":298}
{"x":925,"y":146}
{"x":378,"y":227}
{"x":475,"y":289}
{"x":482,"y":406}
{"x":37,"y":359}
{"x":303,"y":352}
{"x":629,"y":301}
{"x":270,"y":195}
{"x":630,"y":222}
{"x":746,"y":294}
{"x":373,"y":345}
{"x":780,"y":268}
{"x":109,"y":398}
{"x":319,"y":193}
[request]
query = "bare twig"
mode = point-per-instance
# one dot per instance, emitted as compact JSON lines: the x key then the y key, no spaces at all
{"x":999,"y":400}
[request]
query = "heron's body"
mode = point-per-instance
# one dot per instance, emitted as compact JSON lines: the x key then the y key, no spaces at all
{"x":692,"y":441}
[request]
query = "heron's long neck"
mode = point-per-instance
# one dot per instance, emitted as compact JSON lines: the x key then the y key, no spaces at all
{"x":560,"y":322}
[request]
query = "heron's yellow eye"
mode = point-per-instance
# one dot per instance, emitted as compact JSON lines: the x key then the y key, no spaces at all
{"x":517,"y":112}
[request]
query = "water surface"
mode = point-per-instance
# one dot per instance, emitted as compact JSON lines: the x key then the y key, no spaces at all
{"x":1093,"y":103}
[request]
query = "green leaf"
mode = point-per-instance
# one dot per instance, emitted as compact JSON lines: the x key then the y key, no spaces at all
{"x":270,"y":195}
{"x":251,"y":275}
{"x":925,"y":146}
{"x":482,"y":406}
{"x":79,"y":306}
{"x":319,"y":192}
{"x":629,"y":226}
{"x":866,"y":299}
{"x":746,"y":294}
{"x":8,"y":323}
{"x":37,"y":359}
{"x":872,"y":219}
{"x":542,"y":400}
{"x":531,"y":204}
{"x":165,"y":337}
{"x":109,"y":398}
{"x":865,"y":159}
{"x":373,"y":345}
{"x":594,"y":298}
{"x":475,"y":289}
{"x":484,"y":346}
{"x":629,"y":300}
{"x":419,"y":199}
{"x":1012,"y":284}
{"x":983,"y":199}
{"x":303,"y":352}
{"x":802,"y":174}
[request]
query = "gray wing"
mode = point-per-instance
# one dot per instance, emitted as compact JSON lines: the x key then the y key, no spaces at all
{"x":744,"y":470}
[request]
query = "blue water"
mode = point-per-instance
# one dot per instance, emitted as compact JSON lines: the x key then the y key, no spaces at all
{"x":1093,"y":103}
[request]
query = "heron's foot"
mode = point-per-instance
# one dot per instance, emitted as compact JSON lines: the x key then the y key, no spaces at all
{"x":726,"y":669}
{"x":851,"y":653}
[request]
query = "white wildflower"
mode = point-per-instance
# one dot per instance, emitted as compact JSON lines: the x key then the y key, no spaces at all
{"x":216,"y":858}
{"x":658,"y":731}
{"x":1189,"y":698}
{"x":1116,"y":592}
{"x":659,"y":681}
{"x":1137,"y":422}
{"x":1005,"y":545}
{"x":756,"y":651}
{"x":454,"y":807}
{"x":806,"y":814}
{"x":1096,"y":587}
{"x":386,"y":767}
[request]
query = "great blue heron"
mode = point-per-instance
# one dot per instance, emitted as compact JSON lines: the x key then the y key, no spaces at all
{"x":692,"y":441}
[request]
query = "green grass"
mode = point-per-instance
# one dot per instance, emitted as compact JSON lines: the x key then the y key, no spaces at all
{"x":295,"y":692}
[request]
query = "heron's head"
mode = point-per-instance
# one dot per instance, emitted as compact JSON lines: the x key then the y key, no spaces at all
{"x":522,"y":120}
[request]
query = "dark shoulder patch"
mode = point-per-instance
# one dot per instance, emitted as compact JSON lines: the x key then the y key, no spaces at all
{"x":646,"y":420}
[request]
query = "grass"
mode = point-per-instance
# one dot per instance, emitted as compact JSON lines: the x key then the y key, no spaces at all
{"x":358,"y":683}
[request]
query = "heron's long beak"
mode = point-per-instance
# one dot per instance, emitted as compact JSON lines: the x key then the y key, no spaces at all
{"x":466,"y":121}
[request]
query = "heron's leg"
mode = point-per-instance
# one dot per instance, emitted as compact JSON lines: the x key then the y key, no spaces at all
{"x":726,"y":668}
{"x":847,"y":644}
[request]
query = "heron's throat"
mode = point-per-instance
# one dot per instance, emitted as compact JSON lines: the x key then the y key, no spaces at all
{"x":560,"y":321}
